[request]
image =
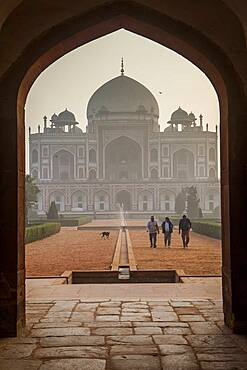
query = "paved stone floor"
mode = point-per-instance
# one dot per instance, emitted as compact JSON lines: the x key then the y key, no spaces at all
{"x":127,"y":334}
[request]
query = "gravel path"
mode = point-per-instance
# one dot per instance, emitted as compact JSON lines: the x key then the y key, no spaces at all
{"x":69,"y":250}
{"x":203,"y":257}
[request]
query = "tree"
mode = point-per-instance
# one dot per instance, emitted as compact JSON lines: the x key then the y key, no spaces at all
{"x":180,"y":202}
{"x":52,"y":213}
{"x":31,"y":191}
{"x":200,"y":215}
{"x":192,"y":202}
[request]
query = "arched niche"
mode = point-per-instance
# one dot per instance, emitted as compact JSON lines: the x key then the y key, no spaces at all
{"x":183,"y":164}
{"x":123,"y":160}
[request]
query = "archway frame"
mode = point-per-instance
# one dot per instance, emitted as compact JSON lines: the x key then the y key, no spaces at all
{"x":119,"y":138}
{"x":169,"y":32}
{"x":124,"y":191}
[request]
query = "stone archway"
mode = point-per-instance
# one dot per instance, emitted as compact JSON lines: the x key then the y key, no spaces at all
{"x":183,"y":164}
{"x":123,"y":198}
{"x":123,"y":160}
{"x":169,"y":25}
{"x":63,"y":165}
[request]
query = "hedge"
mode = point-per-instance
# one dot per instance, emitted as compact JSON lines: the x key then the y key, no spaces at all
{"x":212,"y":229}
{"x":67,"y":221}
{"x":37,"y":232}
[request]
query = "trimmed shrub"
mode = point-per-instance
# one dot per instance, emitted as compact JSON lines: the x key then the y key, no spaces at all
{"x":52,"y":213}
{"x":81,"y":220}
{"x":38,"y":232}
{"x":212,"y":229}
{"x":84,"y":220}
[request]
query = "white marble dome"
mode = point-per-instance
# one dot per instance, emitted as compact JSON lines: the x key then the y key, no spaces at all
{"x":122,"y":95}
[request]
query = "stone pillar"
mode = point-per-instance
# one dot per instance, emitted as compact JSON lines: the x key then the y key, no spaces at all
{"x":12,"y":180}
{"x":234,"y":200}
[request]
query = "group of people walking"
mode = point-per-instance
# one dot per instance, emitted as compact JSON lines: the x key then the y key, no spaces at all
{"x":167,"y":229}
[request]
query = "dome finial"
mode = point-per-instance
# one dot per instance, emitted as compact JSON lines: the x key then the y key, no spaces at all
{"x":122,"y":67}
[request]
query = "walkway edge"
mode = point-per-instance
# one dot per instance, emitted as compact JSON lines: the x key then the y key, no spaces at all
{"x":116,"y":257}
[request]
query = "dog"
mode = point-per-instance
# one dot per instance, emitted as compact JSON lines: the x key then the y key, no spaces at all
{"x":105,"y":234}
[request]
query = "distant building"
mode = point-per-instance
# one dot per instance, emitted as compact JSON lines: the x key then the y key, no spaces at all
{"x":123,"y":157}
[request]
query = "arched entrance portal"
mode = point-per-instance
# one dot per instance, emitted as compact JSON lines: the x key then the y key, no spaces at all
{"x":183,"y":164}
{"x":170,"y":25}
{"x":123,"y":160}
{"x":123,"y":198}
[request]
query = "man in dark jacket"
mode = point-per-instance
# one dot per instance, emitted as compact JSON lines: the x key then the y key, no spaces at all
{"x":184,"y":227}
{"x":153,"y":229}
{"x":167,"y":229}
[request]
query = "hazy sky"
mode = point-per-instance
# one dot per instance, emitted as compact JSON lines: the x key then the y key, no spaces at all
{"x":71,"y":80}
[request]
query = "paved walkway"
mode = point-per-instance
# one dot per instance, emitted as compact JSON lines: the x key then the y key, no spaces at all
{"x":124,"y":334}
{"x":195,"y":289}
{"x":125,"y":327}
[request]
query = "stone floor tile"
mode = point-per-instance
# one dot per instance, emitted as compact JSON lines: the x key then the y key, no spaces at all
{"x":222,"y":357}
{"x":176,"y":330}
{"x":148,"y":330}
{"x":110,"y":304}
{"x":217,"y":302}
{"x":59,"y":332}
{"x":38,"y":307}
{"x":70,"y":352}
{"x":58,"y":314}
{"x":135,"y":305}
{"x":162,"y":308}
{"x":125,"y":349}
{"x":163,"y":324}
{"x":129,"y":339}
{"x":210,"y":341}
{"x":63,"y":306}
{"x":214,"y":317}
{"x":73,"y":340}
{"x":136,"y":314}
{"x":107,"y":324}
{"x":135,"y":318}
{"x":33,"y":312}
{"x":204,"y":328}
{"x":75,"y":364}
{"x":202,"y":302}
{"x":17,"y":340}
{"x":187,"y":311}
{"x":169,"y":339}
{"x":164,"y":316}
{"x":55,"y":319}
{"x":214,"y":350}
{"x":181,"y":303}
{"x":211,"y":310}
{"x":86,"y":307}
{"x":135,"y":310}
{"x":11,"y":351}
{"x":134,"y":362}
{"x":223,"y":327}
{"x":172,"y":349}
{"x":188,"y":318}
{"x":82,"y":316}
{"x":184,"y":361}
{"x":40,"y":300}
{"x":223,"y":365}
{"x":113,"y":331}
{"x":241,"y":341}
{"x":108,"y":318}
{"x":69,"y":324}
{"x":159,"y":303}
{"x":108,"y":311}
{"x":20,"y":364}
